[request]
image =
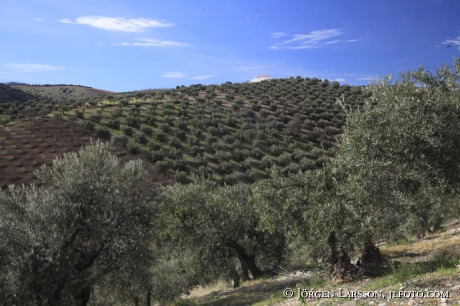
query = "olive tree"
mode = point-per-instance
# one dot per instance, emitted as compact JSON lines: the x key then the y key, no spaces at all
{"x":219,"y":225}
{"x":91,"y":221}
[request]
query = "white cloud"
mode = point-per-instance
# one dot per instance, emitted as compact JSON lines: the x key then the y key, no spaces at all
{"x":353,"y":40}
{"x":148,"y":42}
{"x":65,"y":20}
{"x":366,"y":79}
{"x":38,"y":19}
{"x":340,"y":80}
{"x":249,"y":68}
{"x":313,"y":39}
{"x":201,"y":77}
{"x":174,"y":75}
{"x":277,"y":34}
{"x":34,"y":67}
{"x":455,"y":41}
{"x":118,"y":24}
{"x":332,"y":42}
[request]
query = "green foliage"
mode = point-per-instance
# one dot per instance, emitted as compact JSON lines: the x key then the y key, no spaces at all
{"x":403,"y":272}
{"x":284,"y":159}
{"x":103,"y":132}
{"x":126,"y":130}
{"x":230,"y":179}
{"x":79,"y":234}
{"x":180,"y":177}
{"x":139,"y":137}
{"x":132,"y":147}
{"x":163,"y":165}
{"x":157,"y":155}
{"x":120,"y":140}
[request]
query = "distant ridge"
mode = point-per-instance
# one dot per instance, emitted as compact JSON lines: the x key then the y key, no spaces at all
{"x":15,"y":83}
{"x":10,"y":94}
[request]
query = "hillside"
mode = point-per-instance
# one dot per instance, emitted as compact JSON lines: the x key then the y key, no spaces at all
{"x":233,"y":132}
{"x":12,"y":94}
{"x":61,"y":92}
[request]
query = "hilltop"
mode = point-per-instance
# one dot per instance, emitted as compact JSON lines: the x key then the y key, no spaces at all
{"x":231,"y":132}
{"x":62,"y":91}
{"x":11,"y":94}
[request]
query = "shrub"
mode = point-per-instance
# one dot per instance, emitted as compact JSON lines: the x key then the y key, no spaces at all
{"x":132,"y":147}
{"x":180,"y":177}
{"x":201,"y":160}
{"x":165,"y":127}
{"x":221,"y":156}
{"x":193,"y":140}
{"x":126,"y":130}
{"x":316,"y":152}
{"x":120,"y":140}
{"x":139,"y":137}
{"x":298,"y":154}
{"x":228,"y":138}
{"x":114,"y":123}
{"x":163,"y":166}
{"x":95,"y":117}
{"x":292,"y":168}
{"x":321,"y":161}
{"x":246,"y":164}
{"x":230,"y":179}
{"x":180,"y":165}
{"x":132,"y":121}
{"x":276,"y":150}
{"x":146,"y":130}
{"x":239,"y":154}
{"x":258,"y":153}
{"x":306,"y":164}
{"x":210,"y":139}
{"x":292,"y":146}
{"x":157,"y":155}
{"x":175,"y":153}
{"x":174,"y":142}
{"x":225,"y":167}
{"x":196,"y":150}
{"x":153,"y":145}
{"x":179,"y":134}
{"x":149,"y":119}
{"x":251,"y":174}
{"x":103,"y":132}
{"x":266,"y":162}
{"x":159,"y":135}
{"x":88,"y":125}
{"x":204,"y":171}
{"x":284,"y":159}
{"x":79,"y":114}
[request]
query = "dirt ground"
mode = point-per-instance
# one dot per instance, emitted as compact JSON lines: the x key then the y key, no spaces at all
{"x":27,"y":145}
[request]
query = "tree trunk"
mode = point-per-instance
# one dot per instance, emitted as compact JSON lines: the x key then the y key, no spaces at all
{"x":340,"y":265}
{"x":148,"y":298}
{"x":244,"y":268}
{"x":371,"y":257}
{"x":247,"y":261}
{"x":333,"y":258}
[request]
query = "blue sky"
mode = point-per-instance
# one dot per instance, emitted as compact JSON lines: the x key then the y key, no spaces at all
{"x":131,"y":45}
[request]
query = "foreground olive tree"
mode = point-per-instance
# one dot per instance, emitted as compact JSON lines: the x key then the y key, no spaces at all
{"x":92,"y":220}
{"x":395,"y":173}
{"x":219,"y":226}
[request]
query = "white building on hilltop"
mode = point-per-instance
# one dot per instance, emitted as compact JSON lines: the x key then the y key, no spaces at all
{"x":260,"y":78}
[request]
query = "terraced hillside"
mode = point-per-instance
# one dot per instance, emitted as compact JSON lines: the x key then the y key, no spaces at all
{"x":232,"y":132}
